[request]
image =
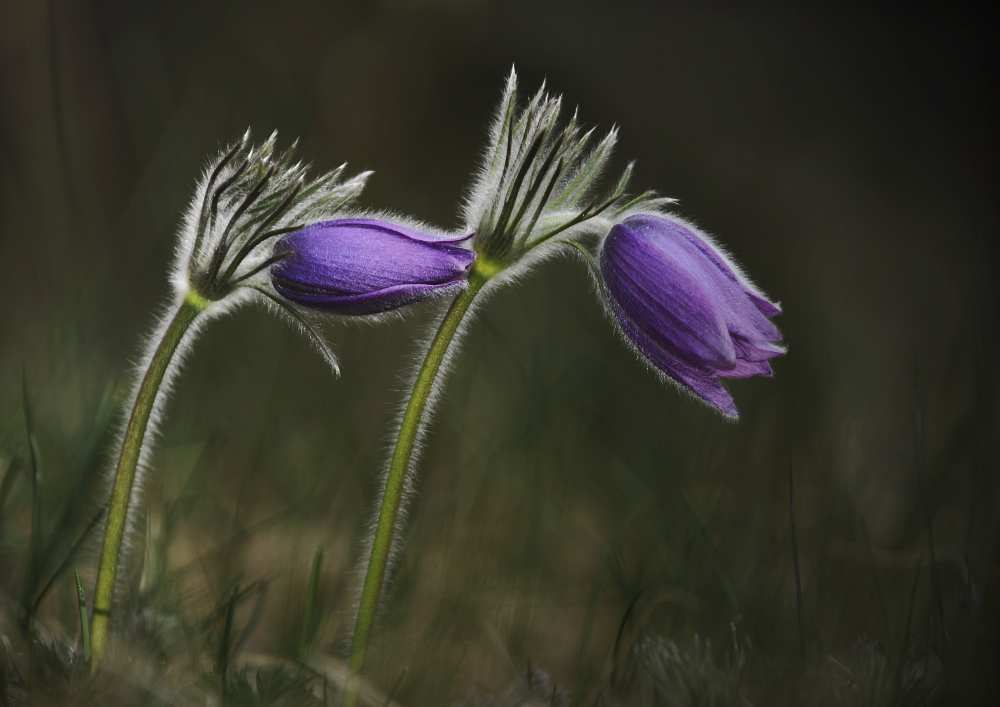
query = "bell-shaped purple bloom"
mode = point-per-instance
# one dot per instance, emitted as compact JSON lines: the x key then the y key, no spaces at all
{"x":366,"y":266}
{"x":686,"y":308}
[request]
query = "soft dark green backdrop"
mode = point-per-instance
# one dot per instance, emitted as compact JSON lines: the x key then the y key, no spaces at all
{"x":844,"y":157}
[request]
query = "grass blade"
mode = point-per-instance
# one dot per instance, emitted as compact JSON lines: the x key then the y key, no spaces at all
{"x":9,"y":479}
{"x":795,"y":561}
{"x":310,"y":618}
{"x":70,"y":556}
{"x":222,"y":660}
{"x":81,"y":601}
{"x":34,"y":546}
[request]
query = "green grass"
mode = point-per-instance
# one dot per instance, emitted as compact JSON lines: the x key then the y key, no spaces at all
{"x":549,"y":558}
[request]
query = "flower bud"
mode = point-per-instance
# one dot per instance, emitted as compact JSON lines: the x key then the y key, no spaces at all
{"x":359,"y":266}
{"x":688,"y":310}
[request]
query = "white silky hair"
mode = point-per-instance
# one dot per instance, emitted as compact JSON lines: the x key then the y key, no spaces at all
{"x":530,"y":166}
{"x":214,"y":213}
{"x":322,"y":198}
{"x":565,"y":173}
{"x":535,"y":168}
{"x":138,"y":370}
{"x":198,"y":239}
{"x":409,"y":486}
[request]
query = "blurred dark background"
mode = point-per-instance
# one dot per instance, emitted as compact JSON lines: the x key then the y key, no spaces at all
{"x":845,"y":158}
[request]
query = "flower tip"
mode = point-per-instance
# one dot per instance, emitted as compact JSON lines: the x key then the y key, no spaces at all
{"x":715,"y":397}
{"x":765,"y":306}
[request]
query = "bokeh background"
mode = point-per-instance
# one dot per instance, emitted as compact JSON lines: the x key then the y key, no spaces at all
{"x":568,"y":504}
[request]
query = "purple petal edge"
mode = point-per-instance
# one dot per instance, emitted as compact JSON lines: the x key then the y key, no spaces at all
{"x":703,"y":384}
{"x":392,"y":227}
{"x":375,"y":302}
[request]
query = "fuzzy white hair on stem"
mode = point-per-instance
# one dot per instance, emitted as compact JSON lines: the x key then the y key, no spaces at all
{"x":247,"y":197}
{"x":410,"y":489}
{"x":166,"y":388}
{"x":535,"y":187}
{"x":536,"y":195}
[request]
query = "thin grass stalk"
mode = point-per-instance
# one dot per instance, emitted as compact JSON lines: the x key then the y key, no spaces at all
{"x":81,"y":602}
{"x":310,"y":617}
{"x":63,"y":565}
{"x":125,"y":471}
{"x":402,"y":455}
{"x":7,"y":485}
{"x":225,"y":642}
{"x":35,"y":544}
{"x":904,"y":648}
{"x":795,"y":562}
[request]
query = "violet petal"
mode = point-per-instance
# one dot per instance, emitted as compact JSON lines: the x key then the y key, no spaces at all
{"x":365,"y":266}
{"x":686,"y":308}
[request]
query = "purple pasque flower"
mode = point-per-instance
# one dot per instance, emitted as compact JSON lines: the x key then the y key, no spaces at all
{"x":686,"y":308}
{"x":367,"y":266}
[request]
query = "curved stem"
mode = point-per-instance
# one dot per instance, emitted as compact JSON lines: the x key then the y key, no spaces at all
{"x":128,"y":460}
{"x":402,"y":455}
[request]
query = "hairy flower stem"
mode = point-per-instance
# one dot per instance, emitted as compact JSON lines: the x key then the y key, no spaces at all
{"x":128,"y":460}
{"x":402,"y":455}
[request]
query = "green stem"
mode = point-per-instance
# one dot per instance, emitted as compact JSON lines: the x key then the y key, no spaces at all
{"x":402,"y":455}
{"x":121,"y":491}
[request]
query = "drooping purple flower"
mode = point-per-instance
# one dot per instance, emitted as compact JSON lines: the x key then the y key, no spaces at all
{"x":686,"y":308}
{"x":367,"y":266}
